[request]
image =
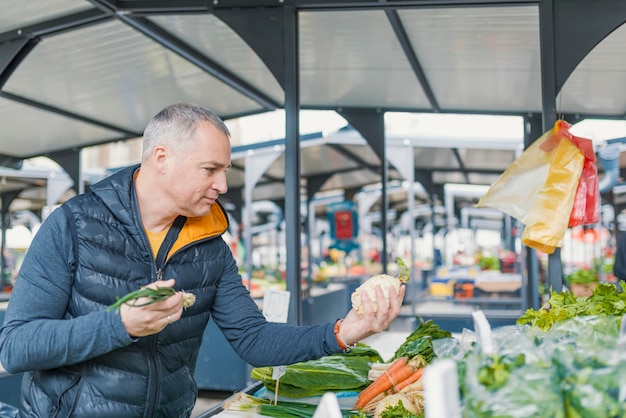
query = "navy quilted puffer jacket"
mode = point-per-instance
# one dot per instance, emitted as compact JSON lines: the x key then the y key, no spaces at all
{"x":77,"y":357}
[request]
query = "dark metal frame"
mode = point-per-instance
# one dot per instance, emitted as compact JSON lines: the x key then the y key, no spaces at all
{"x":567,"y":33}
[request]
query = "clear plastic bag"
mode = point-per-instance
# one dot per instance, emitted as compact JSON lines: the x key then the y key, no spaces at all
{"x":516,"y":380}
{"x":590,"y":364}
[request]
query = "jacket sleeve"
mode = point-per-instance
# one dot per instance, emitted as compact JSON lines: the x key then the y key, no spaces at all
{"x":261,"y":343}
{"x":37,"y":332}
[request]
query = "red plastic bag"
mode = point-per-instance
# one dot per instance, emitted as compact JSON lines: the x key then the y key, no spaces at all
{"x":586,"y":206}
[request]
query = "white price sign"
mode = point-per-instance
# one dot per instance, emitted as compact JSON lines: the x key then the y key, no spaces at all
{"x":276,"y":305}
{"x":278,"y":372}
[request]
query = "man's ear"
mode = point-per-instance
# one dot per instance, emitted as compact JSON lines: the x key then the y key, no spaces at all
{"x":160,"y":156}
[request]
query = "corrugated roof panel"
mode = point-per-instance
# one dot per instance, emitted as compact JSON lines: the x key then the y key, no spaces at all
{"x":348,"y":58}
{"x":597,"y":83}
{"x":324,"y":159}
{"x":351,"y":180}
{"x":478,"y":58}
{"x":23,"y":138}
{"x":112,"y":73}
{"x":480,"y":159}
{"x":19,"y":13}
{"x":486,"y":179}
{"x":216,"y":40}
{"x":428,"y":158}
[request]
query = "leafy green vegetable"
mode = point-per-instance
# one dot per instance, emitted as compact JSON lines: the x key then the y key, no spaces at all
{"x":582,"y":276}
{"x":592,"y":375}
{"x":399,"y":411}
{"x":495,"y":372}
{"x":489,"y":263}
{"x":519,"y":390}
{"x":363,"y":350}
{"x":244,"y":402}
{"x":315,"y":377}
{"x":419,"y":342}
{"x":606,"y":299}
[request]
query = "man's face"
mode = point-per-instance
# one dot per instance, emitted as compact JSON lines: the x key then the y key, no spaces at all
{"x":196,"y":174}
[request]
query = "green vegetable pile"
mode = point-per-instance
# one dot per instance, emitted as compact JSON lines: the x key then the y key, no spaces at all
{"x":399,"y":411}
{"x":334,"y":373}
{"x":243,"y":402}
{"x":582,"y":276}
{"x":489,"y":263}
{"x":606,"y":299}
{"x":419,"y":342}
{"x":495,"y":372}
{"x":574,"y":368}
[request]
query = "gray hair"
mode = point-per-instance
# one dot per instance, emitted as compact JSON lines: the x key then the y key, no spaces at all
{"x":177,"y":123}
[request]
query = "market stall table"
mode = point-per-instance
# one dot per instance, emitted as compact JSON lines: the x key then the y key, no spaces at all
{"x":385,"y":343}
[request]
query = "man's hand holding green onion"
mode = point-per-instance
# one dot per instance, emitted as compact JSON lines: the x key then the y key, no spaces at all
{"x":150,"y":309}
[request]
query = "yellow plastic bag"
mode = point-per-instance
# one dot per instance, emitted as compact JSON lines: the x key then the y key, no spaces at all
{"x":538,"y":188}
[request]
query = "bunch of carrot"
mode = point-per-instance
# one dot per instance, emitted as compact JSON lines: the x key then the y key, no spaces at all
{"x":400,"y":374}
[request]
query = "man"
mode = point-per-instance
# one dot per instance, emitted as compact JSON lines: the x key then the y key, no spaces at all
{"x":82,"y":360}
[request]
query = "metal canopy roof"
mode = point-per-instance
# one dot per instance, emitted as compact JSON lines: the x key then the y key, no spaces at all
{"x":75,"y":73}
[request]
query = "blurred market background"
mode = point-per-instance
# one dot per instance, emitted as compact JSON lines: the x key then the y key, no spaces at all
{"x":362,"y":132}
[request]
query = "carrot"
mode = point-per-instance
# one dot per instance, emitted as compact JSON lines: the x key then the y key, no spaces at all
{"x":385,"y":382}
{"x":405,"y":385}
{"x":378,"y":369}
{"x":399,"y":362}
{"x":409,"y":380}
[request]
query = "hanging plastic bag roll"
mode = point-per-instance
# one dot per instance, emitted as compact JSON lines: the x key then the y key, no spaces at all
{"x":586,"y":207}
{"x":538,"y":188}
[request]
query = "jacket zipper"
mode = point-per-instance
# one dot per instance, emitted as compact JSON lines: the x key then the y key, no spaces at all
{"x":161,"y":258}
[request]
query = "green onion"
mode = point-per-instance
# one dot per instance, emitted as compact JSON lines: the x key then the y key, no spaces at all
{"x":244,"y":402}
{"x":152,"y":296}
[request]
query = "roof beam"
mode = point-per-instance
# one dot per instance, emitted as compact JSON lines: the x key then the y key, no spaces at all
{"x":183,"y":6}
{"x":457,"y":155}
{"x":12,"y":53}
{"x":355,"y":158}
{"x":409,"y":51}
{"x":577,"y":30}
{"x":15,"y":45}
{"x":42,"y":106}
{"x":58,"y":25}
{"x":183,"y":49}
{"x":194,"y":56}
{"x":262,"y":30}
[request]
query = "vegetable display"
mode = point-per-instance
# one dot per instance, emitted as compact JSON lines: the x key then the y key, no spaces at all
{"x":565,"y":360}
{"x":419,"y":342}
{"x":152,"y":296}
{"x":399,"y":375}
{"x":398,"y":406}
{"x":605,"y":299}
{"x":243,"y":402}
{"x":582,"y":276}
{"x":385,"y":281}
{"x":402,"y":375}
{"x":346,"y":372}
